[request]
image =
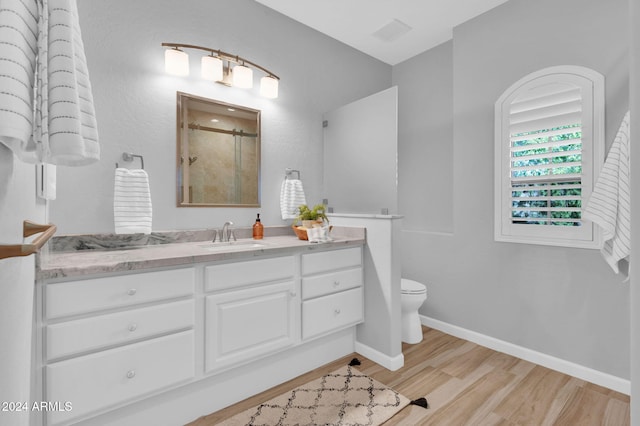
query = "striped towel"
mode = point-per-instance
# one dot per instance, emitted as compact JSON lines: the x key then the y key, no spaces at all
{"x":68,"y":111}
{"x":46,"y":105}
{"x":291,"y":197}
{"x":18,"y":51}
{"x":132,"y":202}
{"x":610,"y":203}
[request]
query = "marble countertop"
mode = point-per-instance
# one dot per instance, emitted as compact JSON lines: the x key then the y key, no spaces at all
{"x":57,"y":263}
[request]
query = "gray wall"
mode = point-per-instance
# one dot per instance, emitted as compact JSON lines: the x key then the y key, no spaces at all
{"x":135,"y":101}
{"x":634,"y":101}
{"x":559,"y":301}
{"x":425,"y":132}
{"x":17,"y":203}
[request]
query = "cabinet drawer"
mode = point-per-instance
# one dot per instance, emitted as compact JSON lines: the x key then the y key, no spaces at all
{"x":72,"y":337}
{"x":320,"y":285}
{"x":92,"y":295}
{"x":331,"y":312}
{"x":313,"y":263}
{"x":97,"y":381}
{"x":237,"y":274}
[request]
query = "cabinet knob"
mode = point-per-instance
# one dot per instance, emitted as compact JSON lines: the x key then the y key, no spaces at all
{"x":336,"y":283}
{"x":133,"y":327}
{"x":336,"y":311}
{"x":131,"y":374}
{"x":132,"y":291}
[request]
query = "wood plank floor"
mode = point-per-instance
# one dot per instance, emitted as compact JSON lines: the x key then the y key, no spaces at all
{"x":468,"y":384}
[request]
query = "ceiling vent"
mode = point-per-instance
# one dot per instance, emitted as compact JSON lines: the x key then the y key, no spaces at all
{"x":392,"y":31}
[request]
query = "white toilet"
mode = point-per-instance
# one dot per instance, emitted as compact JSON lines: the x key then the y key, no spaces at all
{"x":413,"y":296}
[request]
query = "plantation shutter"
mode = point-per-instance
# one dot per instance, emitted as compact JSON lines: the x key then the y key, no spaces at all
{"x":549,"y":149}
{"x":545,"y":130}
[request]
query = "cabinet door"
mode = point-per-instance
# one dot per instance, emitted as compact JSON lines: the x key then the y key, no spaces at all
{"x":244,"y":324}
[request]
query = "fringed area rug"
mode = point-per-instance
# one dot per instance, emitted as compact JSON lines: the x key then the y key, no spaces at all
{"x":343,"y":397}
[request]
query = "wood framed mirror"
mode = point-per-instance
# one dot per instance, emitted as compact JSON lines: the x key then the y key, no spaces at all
{"x":218,"y":153}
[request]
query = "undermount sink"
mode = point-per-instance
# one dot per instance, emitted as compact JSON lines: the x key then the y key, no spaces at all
{"x":233,"y":245}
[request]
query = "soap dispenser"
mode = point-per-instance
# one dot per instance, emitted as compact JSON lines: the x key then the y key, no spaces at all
{"x":258,"y":229}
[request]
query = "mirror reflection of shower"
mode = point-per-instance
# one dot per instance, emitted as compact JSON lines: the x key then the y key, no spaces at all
{"x":219,"y":160}
{"x":228,"y":162}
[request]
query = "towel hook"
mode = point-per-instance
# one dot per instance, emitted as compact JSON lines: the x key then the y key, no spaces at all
{"x":128,"y":157}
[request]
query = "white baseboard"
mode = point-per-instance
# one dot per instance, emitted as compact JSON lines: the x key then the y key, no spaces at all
{"x":599,"y":378}
{"x":388,"y":362}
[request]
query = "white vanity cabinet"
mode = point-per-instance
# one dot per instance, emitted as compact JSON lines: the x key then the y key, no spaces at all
{"x":252,"y":310}
{"x":332,"y":294}
{"x":114,"y":339}
{"x":127,"y":338}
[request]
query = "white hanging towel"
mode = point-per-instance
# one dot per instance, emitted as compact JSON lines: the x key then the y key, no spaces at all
{"x":50,"y":117}
{"x":610,"y":203}
{"x":291,"y":196}
{"x":70,"y":114}
{"x":18,"y":52}
{"x":132,"y":202}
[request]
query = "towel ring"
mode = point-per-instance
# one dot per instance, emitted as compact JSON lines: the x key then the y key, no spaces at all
{"x":289,"y":171}
{"x":128,"y":157}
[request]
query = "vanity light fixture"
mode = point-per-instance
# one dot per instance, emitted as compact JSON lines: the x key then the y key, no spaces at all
{"x":216,"y":66}
{"x":242,"y":77}
{"x":176,"y":62}
{"x":269,"y":87}
{"x":211,"y":68}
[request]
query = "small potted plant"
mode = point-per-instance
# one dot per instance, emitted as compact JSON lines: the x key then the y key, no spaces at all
{"x":309,"y":217}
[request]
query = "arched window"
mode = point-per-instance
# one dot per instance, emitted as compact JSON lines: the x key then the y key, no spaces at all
{"x":549,"y":147}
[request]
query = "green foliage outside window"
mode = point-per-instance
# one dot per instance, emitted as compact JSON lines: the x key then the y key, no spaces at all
{"x":531,"y":195}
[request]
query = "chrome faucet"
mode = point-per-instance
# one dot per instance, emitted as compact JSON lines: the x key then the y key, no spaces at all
{"x":226,"y":233}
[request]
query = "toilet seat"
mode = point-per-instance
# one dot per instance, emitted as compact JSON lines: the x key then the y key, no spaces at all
{"x":412,"y":287}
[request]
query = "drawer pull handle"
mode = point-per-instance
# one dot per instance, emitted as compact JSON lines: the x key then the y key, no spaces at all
{"x":336,"y":283}
{"x":336,"y":311}
{"x":293,"y":293}
{"x":131,"y":374}
{"x":132,"y":292}
{"x":133,"y":327}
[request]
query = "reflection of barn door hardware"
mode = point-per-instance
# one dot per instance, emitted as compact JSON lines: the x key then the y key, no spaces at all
{"x":29,"y":228}
{"x":194,"y":126}
{"x":191,"y":160}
